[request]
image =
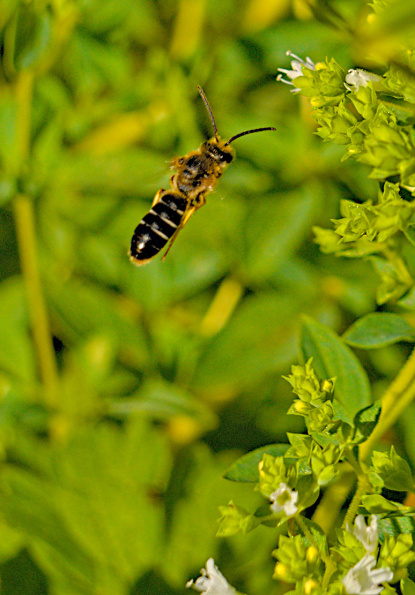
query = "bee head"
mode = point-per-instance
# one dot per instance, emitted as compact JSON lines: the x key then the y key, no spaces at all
{"x":217,"y":151}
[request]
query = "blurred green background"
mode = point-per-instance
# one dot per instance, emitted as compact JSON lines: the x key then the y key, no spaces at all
{"x":114,"y":442}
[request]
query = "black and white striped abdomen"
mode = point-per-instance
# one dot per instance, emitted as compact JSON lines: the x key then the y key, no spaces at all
{"x":157,"y":227}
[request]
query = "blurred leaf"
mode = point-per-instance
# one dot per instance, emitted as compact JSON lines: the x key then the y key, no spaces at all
{"x":95,"y":518}
{"x":33,"y":32}
{"x":275,"y":229}
{"x":85,"y":308}
{"x":407,"y":586}
{"x":259,"y":339}
{"x":204,"y":490}
{"x":332,"y":359}
{"x":377,"y":330}
{"x":9,"y":150}
{"x":163,"y":400}
{"x":245,"y":469}
{"x":16,"y":349}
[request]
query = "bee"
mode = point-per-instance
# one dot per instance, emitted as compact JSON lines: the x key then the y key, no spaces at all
{"x":197,"y":173}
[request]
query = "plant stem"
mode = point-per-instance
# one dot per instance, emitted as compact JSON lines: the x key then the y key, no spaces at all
{"x":26,"y":238}
{"x":394,"y":401}
{"x":25,"y":227}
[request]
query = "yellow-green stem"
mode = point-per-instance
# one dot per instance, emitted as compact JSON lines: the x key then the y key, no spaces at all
{"x":394,"y":401}
{"x":25,"y":227}
{"x":362,"y":488}
{"x":26,"y":237}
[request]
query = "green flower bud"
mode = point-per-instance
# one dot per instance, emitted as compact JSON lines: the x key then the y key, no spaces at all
{"x":296,"y":560}
{"x":335,"y":123}
{"x":306,"y":385}
{"x":324,"y":84}
{"x":272,"y":472}
{"x":365,"y":101}
{"x":356,"y":222}
{"x":392,"y":214}
{"x":233,"y":519}
{"x":321,"y":419}
{"x":327,"y":239}
{"x":385,"y":148}
{"x":300,"y":408}
{"x":324,"y":463}
{"x":396,"y":553}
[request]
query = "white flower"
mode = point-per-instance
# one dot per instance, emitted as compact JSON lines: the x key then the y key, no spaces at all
{"x":284,"y":499}
{"x":357,"y":77}
{"x":368,"y":535}
{"x":296,"y":71}
{"x":212,"y":581}
{"x":363,"y":579}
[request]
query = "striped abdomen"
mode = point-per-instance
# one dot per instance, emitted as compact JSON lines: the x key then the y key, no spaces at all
{"x":157,"y":227}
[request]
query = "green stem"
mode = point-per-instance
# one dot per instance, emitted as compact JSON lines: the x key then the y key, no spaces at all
{"x":26,"y":238}
{"x":394,"y":402}
{"x":362,"y":488}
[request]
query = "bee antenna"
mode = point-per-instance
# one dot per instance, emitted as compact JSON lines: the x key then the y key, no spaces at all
{"x":248,"y":132}
{"x":209,"y":109}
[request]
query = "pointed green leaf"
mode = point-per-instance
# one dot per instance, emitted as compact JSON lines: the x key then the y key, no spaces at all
{"x":333,"y":359}
{"x":407,"y":587}
{"x":379,"y":329}
{"x":365,"y":421}
{"x":246,"y":468}
{"x":393,"y":470}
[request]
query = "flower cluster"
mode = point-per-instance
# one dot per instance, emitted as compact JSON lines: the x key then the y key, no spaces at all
{"x":352,"y":109}
{"x":356,"y":561}
{"x":314,"y":402}
{"x":349,"y":112}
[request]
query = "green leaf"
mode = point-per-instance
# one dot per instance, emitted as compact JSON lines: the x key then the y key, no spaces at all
{"x":275,"y":229}
{"x":377,"y":504}
{"x":365,"y":421}
{"x":377,"y":330}
{"x":92,"y":514}
{"x":16,"y":348}
{"x":257,"y":340}
{"x":163,"y":400}
{"x":408,"y":300}
{"x":393,"y":470}
{"x":32,"y":36}
{"x":246,"y":468}
{"x":333,"y":359}
{"x":407,"y":586}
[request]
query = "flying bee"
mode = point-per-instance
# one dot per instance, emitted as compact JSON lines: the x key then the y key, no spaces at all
{"x":197,"y":173}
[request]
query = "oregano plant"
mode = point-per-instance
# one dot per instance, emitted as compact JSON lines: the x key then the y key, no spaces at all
{"x":327,"y":493}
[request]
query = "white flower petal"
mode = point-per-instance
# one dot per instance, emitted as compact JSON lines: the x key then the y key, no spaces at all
{"x":363,"y":579}
{"x":211,"y":581}
{"x":296,"y":66}
{"x":284,"y":500}
{"x":367,"y":535}
{"x":357,"y":77}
